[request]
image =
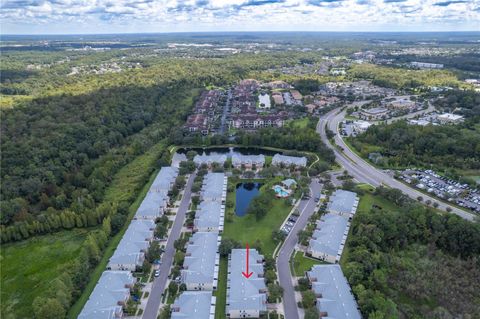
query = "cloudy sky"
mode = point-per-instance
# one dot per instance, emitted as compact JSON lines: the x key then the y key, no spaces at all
{"x":118,"y":16}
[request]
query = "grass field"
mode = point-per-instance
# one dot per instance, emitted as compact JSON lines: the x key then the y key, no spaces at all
{"x":125,"y":183}
{"x":302,"y":263}
{"x":29,"y":266}
{"x":247,"y":229}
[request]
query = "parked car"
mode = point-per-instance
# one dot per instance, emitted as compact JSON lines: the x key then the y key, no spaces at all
{"x":157,"y":273}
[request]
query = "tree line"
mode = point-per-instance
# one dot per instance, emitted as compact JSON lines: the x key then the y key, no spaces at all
{"x":391,"y":252}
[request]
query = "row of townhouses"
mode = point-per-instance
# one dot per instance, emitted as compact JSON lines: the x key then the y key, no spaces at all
{"x":334,"y":296}
{"x":202,"y":259}
{"x":113,"y":289}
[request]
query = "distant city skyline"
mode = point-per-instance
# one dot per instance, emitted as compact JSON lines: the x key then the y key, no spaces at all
{"x":137,"y":16}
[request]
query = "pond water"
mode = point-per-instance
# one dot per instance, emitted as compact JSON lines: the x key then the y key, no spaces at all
{"x":229,"y":151}
{"x":244,"y":194}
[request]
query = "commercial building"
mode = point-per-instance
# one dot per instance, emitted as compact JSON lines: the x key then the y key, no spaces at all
{"x":377,"y":113}
{"x":449,"y":118}
{"x":130,"y":252}
{"x":200,"y":267}
{"x":424,"y":65}
{"x":343,"y":203}
{"x":334,"y":297}
{"x":194,"y":305}
{"x":279,"y":160}
{"x":109,"y":296}
{"x":248,"y":161}
{"x":328,"y":239}
{"x":246,"y":298}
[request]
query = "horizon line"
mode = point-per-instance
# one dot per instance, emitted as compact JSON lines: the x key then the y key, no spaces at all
{"x":238,"y":31}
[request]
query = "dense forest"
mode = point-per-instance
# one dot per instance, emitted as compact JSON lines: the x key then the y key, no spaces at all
{"x":398,"y":78}
{"x":402,"y":145}
{"x":466,"y":103}
{"x":412,"y":262}
{"x":61,"y":148}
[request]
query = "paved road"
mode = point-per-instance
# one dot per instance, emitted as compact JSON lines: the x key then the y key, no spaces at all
{"x":226,"y":109}
{"x":160,"y":282}
{"x":365,"y":172}
{"x":306,"y":208}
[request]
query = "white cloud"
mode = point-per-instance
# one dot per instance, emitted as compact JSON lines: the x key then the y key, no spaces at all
{"x":104,"y":16}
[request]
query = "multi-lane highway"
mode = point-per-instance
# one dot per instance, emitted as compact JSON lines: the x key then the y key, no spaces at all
{"x":364,"y":172}
{"x":306,"y":208}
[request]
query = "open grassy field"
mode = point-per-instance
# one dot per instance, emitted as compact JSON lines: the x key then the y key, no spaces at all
{"x":302,"y":263}
{"x":29,"y":266}
{"x":247,"y":229}
{"x":125,"y":183}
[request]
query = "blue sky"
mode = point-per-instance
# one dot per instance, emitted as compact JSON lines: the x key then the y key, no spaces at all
{"x":119,"y":16}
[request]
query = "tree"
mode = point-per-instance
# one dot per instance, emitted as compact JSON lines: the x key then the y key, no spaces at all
{"x":278,"y":235}
{"x":311,"y":313}
{"x":165,"y":313}
{"x":172,"y":288}
{"x":48,"y":308}
{"x":226,"y":246}
{"x":308,"y":299}
{"x":275,"y":292}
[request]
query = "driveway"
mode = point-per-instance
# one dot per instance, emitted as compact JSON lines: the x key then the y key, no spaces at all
{"x":306,"y":208}
{"x":158,"y":286}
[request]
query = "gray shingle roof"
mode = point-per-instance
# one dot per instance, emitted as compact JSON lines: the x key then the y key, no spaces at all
{"x":239,"y":159}
{"x":336,"y":298}
{"x":112,"y":288}
{"x":214,"y":187}
{"x":165,"y":179}
{"x":330,"y":234}
{"x":289,"y":160}
{"x":209,"y":159}
{"x":243,"y":293}
{"x":343,"y":202}
{"x":201,"y":259}
{"x":209,"y":215}
{"x":194,"y":305}
{"x":135,"y":239}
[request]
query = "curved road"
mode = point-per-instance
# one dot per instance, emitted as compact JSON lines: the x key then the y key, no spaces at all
{"x":306,"y":208}
{"x":365,"y":172}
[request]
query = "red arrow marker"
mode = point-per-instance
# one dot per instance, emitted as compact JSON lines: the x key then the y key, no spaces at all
{"x":247,"y":274}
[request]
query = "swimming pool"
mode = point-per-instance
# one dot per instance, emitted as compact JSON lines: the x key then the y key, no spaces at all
{"x":280,"y":191}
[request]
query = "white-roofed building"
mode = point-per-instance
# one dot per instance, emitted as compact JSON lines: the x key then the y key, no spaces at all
{"x":246,"y":298}
{"x":200,"y":267}
{"x":343,"y":203}
{"x":210,"y":159}
{"x":130,"y":252}
{"x":209,"y":217}
{"x":214,"y":187}
{"x":329,"y":237}
{"x":285,"y":160}
{"x":248,"y":161}
{"x":449,"y":118}
{"x":194,"y":305}
{"x":109,"y":295}
{"x":334,"y":297}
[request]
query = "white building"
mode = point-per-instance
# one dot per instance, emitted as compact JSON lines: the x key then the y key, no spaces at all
{"x":329,"y":237}
{"x":279,"y":160}
{"x":264,"y":101}
{"x":194,"y":305}
{"x":248,"y":161}
{"x":449,"y":118}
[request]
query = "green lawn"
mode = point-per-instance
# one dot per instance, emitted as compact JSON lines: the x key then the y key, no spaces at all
{"x":221,"y":292}
{"x":125,"y":183}
{"x":301,"y":123}
{"x":247,"y":229}
{"x":302,"y":263}
{"x":29,"y":266}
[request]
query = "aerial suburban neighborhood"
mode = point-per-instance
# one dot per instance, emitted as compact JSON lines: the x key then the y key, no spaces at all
{"x":210,"y":172}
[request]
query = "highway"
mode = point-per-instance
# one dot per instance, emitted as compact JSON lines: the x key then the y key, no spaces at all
{"x":364,"y":172}
{"x":160,"y":282}
{"x":306,"y":208}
